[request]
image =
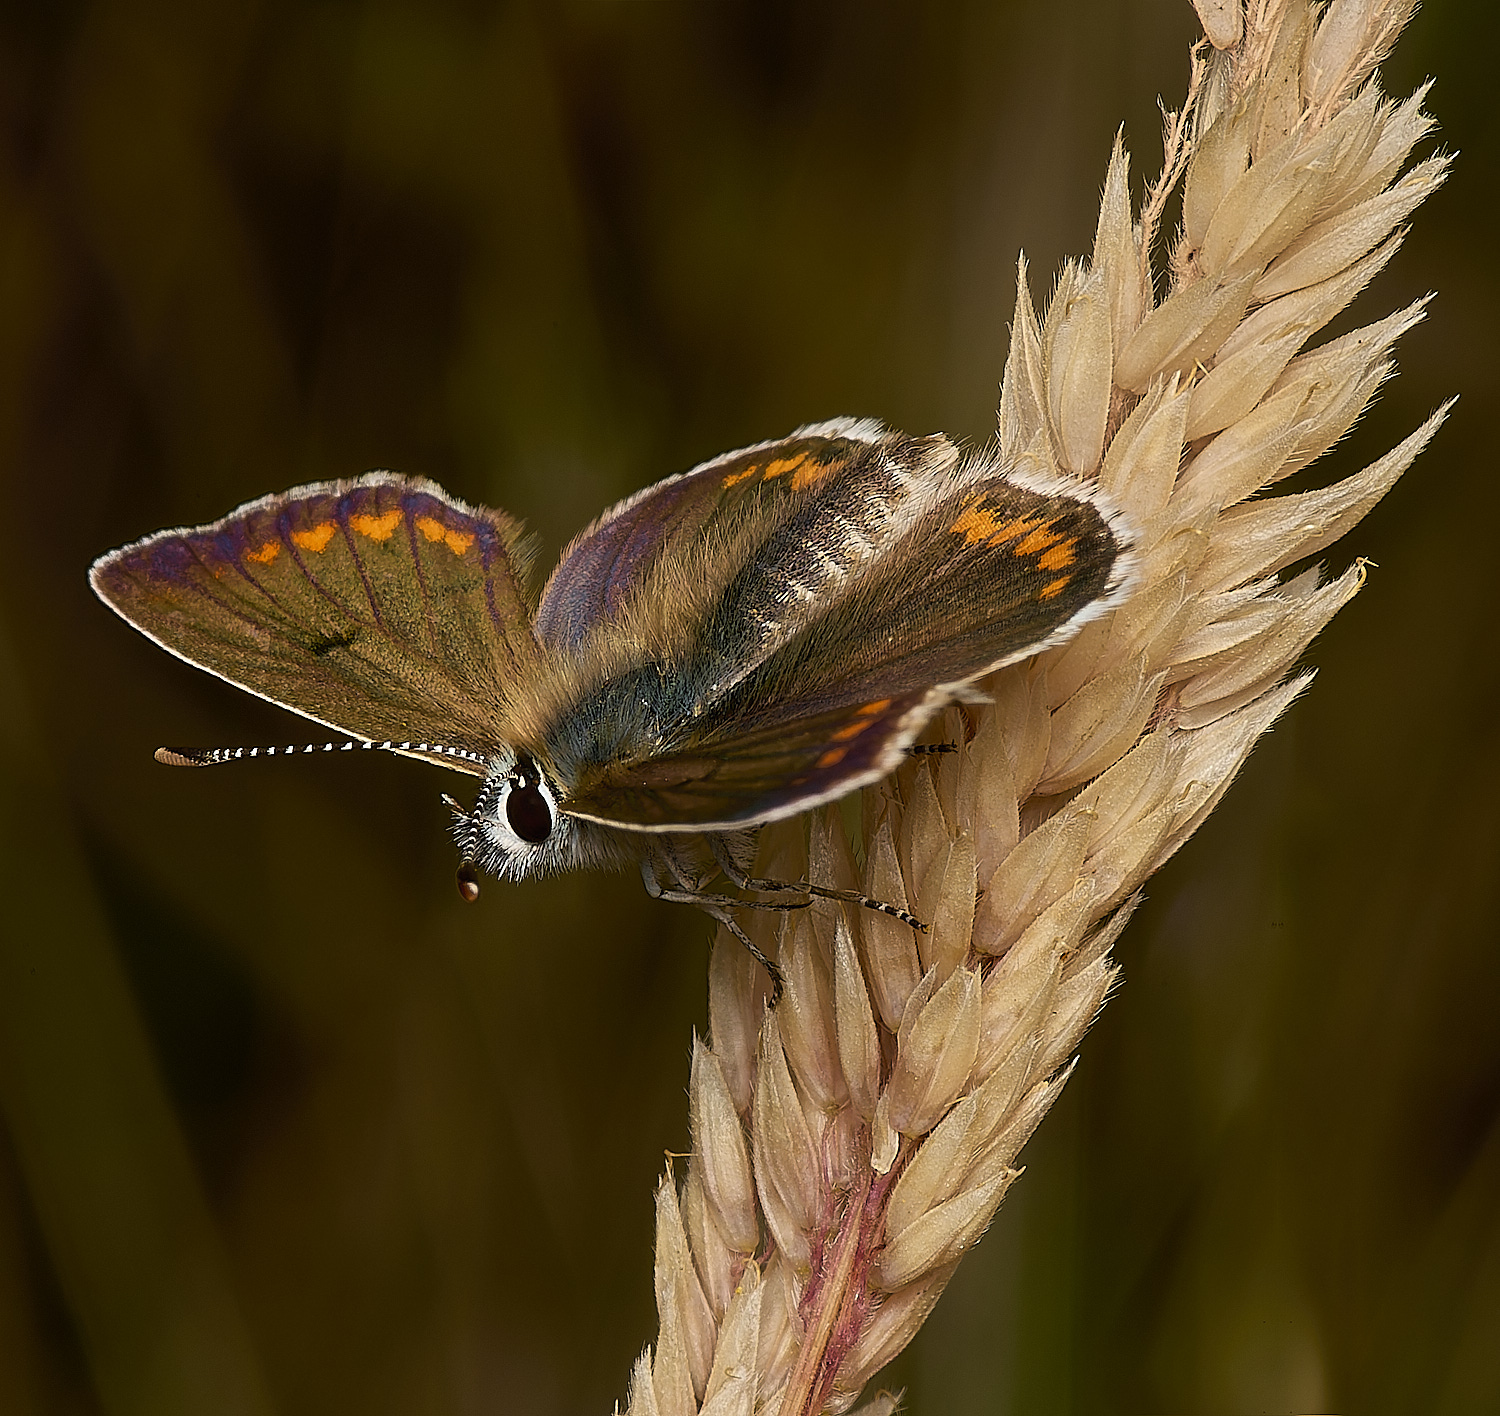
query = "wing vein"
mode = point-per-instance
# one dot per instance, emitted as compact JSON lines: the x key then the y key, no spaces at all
{"x":359,"y":565}
{"x":409,"y":522}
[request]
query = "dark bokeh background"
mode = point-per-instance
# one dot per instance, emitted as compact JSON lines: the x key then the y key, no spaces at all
{"x":287,"y":1128}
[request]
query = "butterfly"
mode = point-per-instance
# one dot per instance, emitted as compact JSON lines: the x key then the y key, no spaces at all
{"x":736,"y":644}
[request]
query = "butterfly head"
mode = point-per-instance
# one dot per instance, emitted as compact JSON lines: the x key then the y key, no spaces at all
{"x":514,"y":829}
{"x":517,"y":828}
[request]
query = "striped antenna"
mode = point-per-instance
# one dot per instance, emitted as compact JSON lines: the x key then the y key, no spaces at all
{"x":213,"y":756}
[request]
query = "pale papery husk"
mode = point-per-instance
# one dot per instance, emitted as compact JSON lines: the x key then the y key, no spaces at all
{"x":853,"y":1141}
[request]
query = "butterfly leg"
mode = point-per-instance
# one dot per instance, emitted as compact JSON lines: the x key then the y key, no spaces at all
{"x":744,"y":881}
{"x":717,"y":907}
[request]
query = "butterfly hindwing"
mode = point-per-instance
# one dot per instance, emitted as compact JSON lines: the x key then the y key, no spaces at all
{"x":380,"y":607}
{"x":778,"y":769}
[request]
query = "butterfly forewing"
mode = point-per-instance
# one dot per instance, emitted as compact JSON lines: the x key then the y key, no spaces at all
{"x":992,"y":571}
{"x":381,"y":607}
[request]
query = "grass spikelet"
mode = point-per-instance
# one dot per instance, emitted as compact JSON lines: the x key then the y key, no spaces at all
{"x":852,"y":1142}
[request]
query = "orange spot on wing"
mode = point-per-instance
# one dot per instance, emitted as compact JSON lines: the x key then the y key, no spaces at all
{"x":1038,"y":541}
{"x":978,"y":525}
{"x":377,"y":528}
{"x":774,"y":469}
{"x":974,"y":524}
{"x":866,"y":716}
{"x":1053,"y":587}
{"x":734,"y":478}
{"x":266,"y":554}
{"x":1009,"y":530}
{"x":811,"y":472}
{"x":434,"y":530}
{"x":1061,"y":556}
{"x":317,"y":539}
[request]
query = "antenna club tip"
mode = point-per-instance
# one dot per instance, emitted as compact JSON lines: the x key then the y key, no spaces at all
{"x":170,"y":757}
{"x":468,"y":884}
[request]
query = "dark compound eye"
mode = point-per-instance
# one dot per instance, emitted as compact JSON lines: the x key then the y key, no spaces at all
{"x":528,"y":813}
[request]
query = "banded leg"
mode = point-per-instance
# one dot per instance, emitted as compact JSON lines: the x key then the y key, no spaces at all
{"x":718,"y":907}
{"x":739,"y":878}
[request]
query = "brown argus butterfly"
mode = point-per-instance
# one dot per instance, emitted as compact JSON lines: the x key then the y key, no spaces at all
{"x":742,"y":642}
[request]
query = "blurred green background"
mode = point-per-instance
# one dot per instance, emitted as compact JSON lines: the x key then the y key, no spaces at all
{"x":289,"y":1129}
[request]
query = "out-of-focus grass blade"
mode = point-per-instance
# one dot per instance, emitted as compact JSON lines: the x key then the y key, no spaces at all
{"x":108,"y":1174}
